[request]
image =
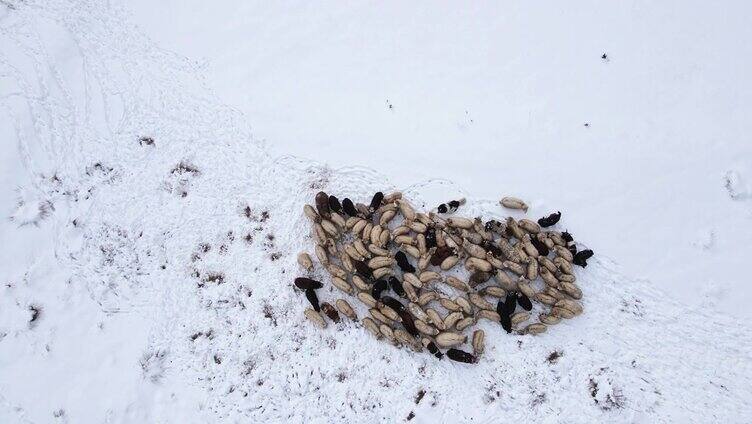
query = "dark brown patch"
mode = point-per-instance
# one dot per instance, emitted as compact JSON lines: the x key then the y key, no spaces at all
{"x":269,"y":243}
{"x":419,"y":396}
{"x":411,"y":415}
{"x":538,"y":399}
{"x":208,"y":334}
{"x":593,"y":390}
{"x":146,"y":141}
{"x":36,"y":313}
{"x":185,"y":168}
{"x":99,"y":168}
{"x":554,"y":357}
{"x":269,"y":314}
{"x":212,"y":277}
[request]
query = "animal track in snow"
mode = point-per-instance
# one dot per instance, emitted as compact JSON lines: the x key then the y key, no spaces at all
{"x":705,"y":239}
{"x":604,"y":392}
{"x":179,"y":179}
{"x":152,"y":365}
{"x":737,"y":186}
{"x":465,"y":122}
{"x":30,"y":209}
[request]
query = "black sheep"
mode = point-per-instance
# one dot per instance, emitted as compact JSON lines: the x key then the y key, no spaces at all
{"x":307,"y":283}
{"x":510,"y":304}
{"x":450,"y":207}
{"x":431,"y":346}
{"x":311,"y":296}
{"x":378,"y":287}
{"x":330,"y":311}
{"x":376,"y":201}
{"x":440,"y":254}
{"x":479,"y":277}
{"x":334,"y":204}
{"x":396,"y":286}
{"x":403,"y":263}
{"x":571,"y":245}
{"x":506,"y":322}
{"x":580,"y":258}
{"x":550,"y":220}
{"x":494,"y":226}
{"x":362,"y":269}
{"x":349,"y":207}
{"x":492,"y":248}
{"x":539,"y":246}
{"x":393,"y":303}
{"x":322,"y":204}
{"x":430,"y":237}
{"x":408,"y":323}
{"x":524,"y":301}
{"x":461,"y":356}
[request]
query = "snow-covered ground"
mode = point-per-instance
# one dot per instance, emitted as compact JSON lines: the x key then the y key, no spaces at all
{"x":495,"y":97}
{"x":136,"y":289}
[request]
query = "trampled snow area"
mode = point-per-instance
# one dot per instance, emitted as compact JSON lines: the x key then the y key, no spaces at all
{"x":135,"y":288}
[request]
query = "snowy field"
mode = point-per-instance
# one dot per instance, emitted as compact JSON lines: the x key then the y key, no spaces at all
{"x":495,"y":99}
{"x":135,"y":287}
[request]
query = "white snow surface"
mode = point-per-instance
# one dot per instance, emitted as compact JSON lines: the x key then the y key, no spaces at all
{"x":494,"y":96}
{"x":160,"y":300}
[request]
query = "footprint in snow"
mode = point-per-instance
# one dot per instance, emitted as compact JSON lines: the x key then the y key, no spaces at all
{"x":704,"y":239}
{"x":30,"y":209}
{"x":737,"y":186}
{"x":465,"y":123}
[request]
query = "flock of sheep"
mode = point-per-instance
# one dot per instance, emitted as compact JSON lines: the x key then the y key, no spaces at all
{"x":427,"y":279}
